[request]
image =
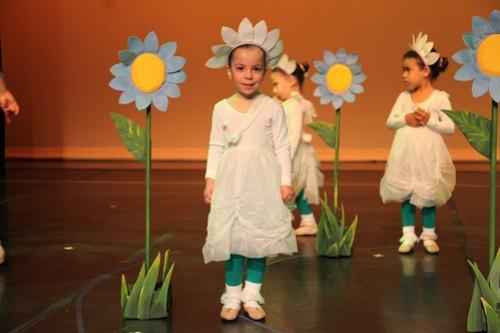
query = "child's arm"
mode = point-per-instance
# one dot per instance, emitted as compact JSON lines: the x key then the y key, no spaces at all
{"x":438,"y":120}
{"x":7,"y":102}
{"x":295,"y":127}
{"x":215,"y":150}
{"x":397,"y":119}
{"x":282,"y":151}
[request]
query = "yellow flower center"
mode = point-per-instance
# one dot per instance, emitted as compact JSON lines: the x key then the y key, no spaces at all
{"x":148,"y":72}
{"x":339,"y":78}
{"x":488,"y":55}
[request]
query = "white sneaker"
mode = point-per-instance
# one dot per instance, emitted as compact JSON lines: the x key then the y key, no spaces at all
{"x":308,"y":226}
{"x":408,"y":242}
{"x":2,"y":254}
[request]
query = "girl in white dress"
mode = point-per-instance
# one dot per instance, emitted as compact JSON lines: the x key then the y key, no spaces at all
{"x":248,"y":181}
{"x":420,"y":172}
{"x":288,"y":79}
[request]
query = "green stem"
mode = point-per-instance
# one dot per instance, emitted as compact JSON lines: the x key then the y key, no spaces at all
{"x":337,"y":160}
{"x":147,"y":245}
{"x":493,"y":182}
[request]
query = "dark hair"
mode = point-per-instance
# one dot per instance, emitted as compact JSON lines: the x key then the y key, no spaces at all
{"x":247,"y":46}
{"x":300,"y":72}
{"x":436,"y":69}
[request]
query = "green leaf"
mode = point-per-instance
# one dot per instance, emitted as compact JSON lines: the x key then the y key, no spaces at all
{"x":348,"y":239}
{"x":475,"y":128}
{"x":491,"y":317}
{"x":146,"y":296}
{"x":124,"y":293}
{"x":326,"y":131}
{"x":333,"y":250}
{"x":476,"y":321}
{"x":132,"y":134}
{"x":331,"y":223}
{"x":494,"y":277}
{"x":484,"y":286}
{"x":161,"y":302}
{"x":322,"y":236}
{"x":133,"y":301}
{"x":166,"y":264}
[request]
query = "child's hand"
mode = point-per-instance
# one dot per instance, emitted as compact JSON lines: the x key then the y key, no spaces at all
{"x":411,"y":120}
{"x":287,"y":193}
{"x":9,"y":106}
{"x":209,"y":190}
{"x":422,"y":116}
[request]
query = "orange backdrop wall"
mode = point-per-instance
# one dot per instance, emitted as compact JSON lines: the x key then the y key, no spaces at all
{"x":57,"y":55}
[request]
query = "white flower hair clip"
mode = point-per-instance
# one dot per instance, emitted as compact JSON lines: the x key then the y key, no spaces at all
{"x":286,"y":64}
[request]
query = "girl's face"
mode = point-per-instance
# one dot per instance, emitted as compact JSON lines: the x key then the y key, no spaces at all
{"x":247,"y":70}
{"x":414,"y":75}
{"x":283,"y":85}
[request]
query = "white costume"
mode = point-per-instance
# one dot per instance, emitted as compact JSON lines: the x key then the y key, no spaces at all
{"x":419,"y":167}
{"x":306,"y":174}
{"x":249,"y":158}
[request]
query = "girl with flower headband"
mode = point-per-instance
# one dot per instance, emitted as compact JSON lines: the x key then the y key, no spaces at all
{"x":288,"y":79}
{"x":248,"y":176}
{"x":420,"y":172}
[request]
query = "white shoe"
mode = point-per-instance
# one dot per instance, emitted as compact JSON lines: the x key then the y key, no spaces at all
{"x":231,"y":300}
{"x":252,"y":300}
{"x":308,"y":226}
{"x":408,"y":242}
{"x":429,"y":238}
{"x":2,"y":254}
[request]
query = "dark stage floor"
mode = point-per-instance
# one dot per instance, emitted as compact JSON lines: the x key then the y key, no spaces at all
{"x":72,"y":232}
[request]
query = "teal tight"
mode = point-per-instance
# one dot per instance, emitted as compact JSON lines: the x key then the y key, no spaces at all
{"x":233,"y":270}
{"x":408,"y":212}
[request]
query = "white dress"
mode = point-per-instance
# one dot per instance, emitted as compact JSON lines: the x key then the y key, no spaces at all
{"x":306,"y":174}
{"x":249,"y":158}
{"x":419,"y":167}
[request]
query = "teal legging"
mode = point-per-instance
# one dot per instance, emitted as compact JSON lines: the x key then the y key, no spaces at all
{"x":408,"y":212}
{"x":233,"y":270}
{"x":303,"y":204}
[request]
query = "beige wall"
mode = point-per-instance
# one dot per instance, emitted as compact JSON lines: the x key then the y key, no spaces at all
{"x":57,"y":55}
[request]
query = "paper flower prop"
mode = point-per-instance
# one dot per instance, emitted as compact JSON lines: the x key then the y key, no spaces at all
{"x":286,"y":64}
{"x":247,"y":34}
{"x":481,"y":58}
{"x":423,"y":47}
{"x":481,"y":64}
{"x":148,"y":73}
{"x":339,"y":78}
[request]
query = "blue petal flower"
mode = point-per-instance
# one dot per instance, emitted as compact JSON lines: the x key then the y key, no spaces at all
{"x":151,"y":42}
{"x":120,"y":70}
{"x":352,"y":59}
{"x":359,"y":78}
{"x":127,"y":97}
{"x":337,"y":102}
{"x":161,"y":102}
{"x":172,"y":90}
{"x":464,"y":56}
{"x":175,"y":64}
{"x":142,"y":101}
{"x":480,"y":86}
{"x":349,"y":97}
{"x":318,"y":78}
{"x":466,"y":73}
{"x":178,"y":77}
{"x":357,"y":88}
{"x":495,"y":89}
{"x":167,"y":50}
{"x":135,"y":45}
{"x":341,"y":56}
{"x":330,"y":58}
{"x":320,"y":66}
{"x":120,"y":83}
